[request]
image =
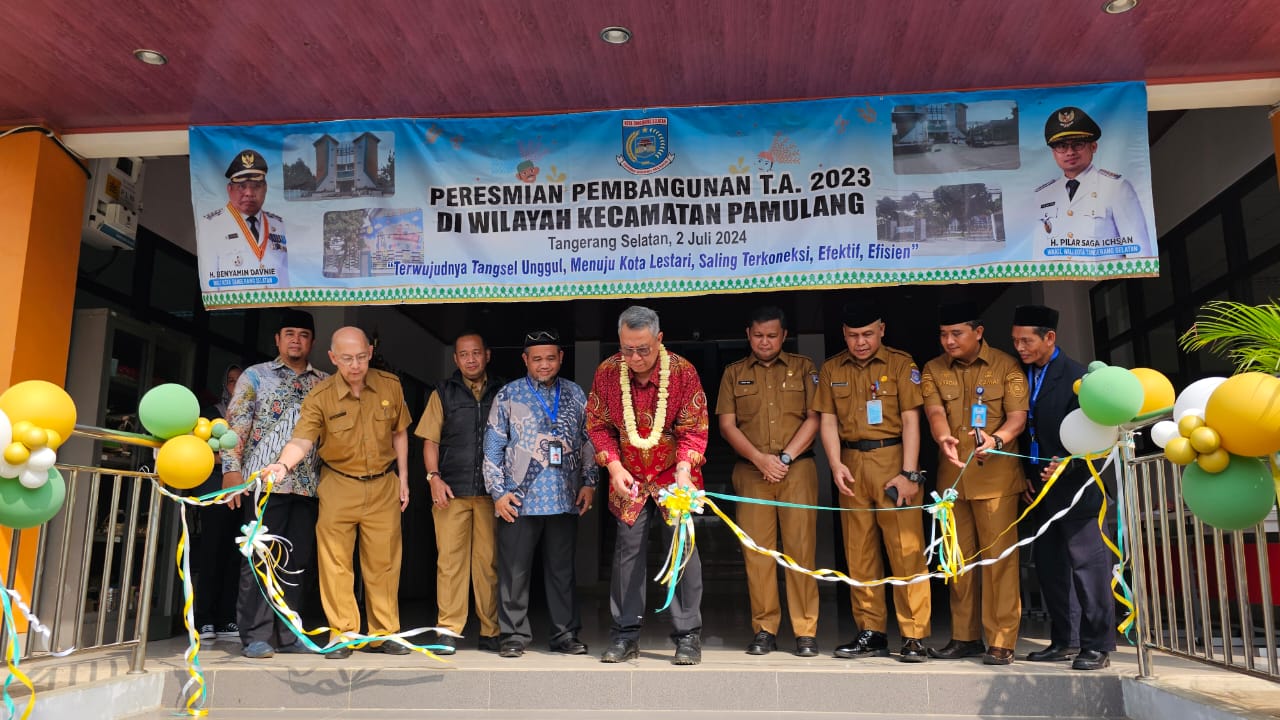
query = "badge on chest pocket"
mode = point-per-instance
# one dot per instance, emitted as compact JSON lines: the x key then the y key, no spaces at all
{"x":875,"y":412}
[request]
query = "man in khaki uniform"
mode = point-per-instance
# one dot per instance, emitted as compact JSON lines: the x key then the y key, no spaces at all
{"x":869,"y":397}
{"x":766,"y":413}
{"x":358,"y":422}
{"x":972,"y":384}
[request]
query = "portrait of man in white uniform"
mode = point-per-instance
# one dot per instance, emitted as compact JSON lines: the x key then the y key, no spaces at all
{"x":242,"y":246}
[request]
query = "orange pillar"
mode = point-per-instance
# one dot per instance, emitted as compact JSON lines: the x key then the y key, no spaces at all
{"x":41,"y":202}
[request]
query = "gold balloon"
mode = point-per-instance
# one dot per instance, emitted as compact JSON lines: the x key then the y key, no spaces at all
{"x":1180,"y":452}
{"x":203,"y":429}
{"x":1214,"y":462}
{"x":184,"y":462}
{"x":1075,"y":387}
{"x":21,"y":428}
{"x":1205,"y":440}
{"x":52,"y":438}
{"x":16,"y":453}
{"x":1188,"y":425}
{"x":34,"y":437}
{"x":1157,"y":391}
{"x":1245,"y":410}
{"x":42,"y":404}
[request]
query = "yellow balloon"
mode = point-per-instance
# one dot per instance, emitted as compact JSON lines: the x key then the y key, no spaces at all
{"x":34,"y":437}
{"x":1157,"y":391}
{"x":21,"y":428}
{"x":1180,"y":452}
{"x":1205,"y":440}
{"x":184,"y":462}
{"x":42,"y":404}
{"x":1214,"y":462}
{"x":1188,"y":425}
{"x":203,"y":429}
{"x":16,"y":453}
{"x":1075,"y":387}
{"x":52,"y":438}
{"x":1245,"y":410}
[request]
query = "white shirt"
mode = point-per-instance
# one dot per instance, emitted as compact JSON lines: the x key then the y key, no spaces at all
{"x":226,"y":252}
{"x":1104,"y":219}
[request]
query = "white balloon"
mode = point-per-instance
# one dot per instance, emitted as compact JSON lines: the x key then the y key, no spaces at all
{"x":1196,"y":395}
{"x":6,"y":431}
{"x":33,"y":479}
{"x":9,"y":471}
{"x":42,"y":459}
{"x":1081,"y":435}
{"x":1163,"y":431}
{"x":1190,"y":412}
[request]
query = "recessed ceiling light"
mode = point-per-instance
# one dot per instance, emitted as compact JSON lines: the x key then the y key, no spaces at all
{"x":150,"y":57}
{"x":615,"y":35}
{"x":1115,"y":7}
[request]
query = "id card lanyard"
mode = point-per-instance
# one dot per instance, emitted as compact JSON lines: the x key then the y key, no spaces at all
{"x":1036,"y":382}
{"x":555,"y":450}
{"x":875,"y":408}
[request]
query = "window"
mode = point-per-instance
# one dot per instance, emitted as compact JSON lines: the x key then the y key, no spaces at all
{"x":1260,"y":208}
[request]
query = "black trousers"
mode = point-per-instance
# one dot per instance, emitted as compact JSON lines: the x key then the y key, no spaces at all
{"x":627,"y":587}
{"x":517,"y":541}
{"x":1074,"y":569}
{"x":215,"y":563}
{"x":292,"y":517}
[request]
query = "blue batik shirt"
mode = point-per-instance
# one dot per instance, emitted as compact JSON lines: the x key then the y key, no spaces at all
{"x":517,"y":443}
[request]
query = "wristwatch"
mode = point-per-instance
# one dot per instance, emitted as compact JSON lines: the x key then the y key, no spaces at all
{"x":999,"y":441}
{"x":785,"y":458}
{"x":915,"y":476}
{"x":432,"y":473}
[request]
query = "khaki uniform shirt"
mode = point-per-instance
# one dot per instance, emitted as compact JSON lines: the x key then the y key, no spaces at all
{"x":353,"y":434}
{"x":952,"y":385}
{"x":432,"y":420}
{"x":845,"y":387}
{"x":771,"y":402}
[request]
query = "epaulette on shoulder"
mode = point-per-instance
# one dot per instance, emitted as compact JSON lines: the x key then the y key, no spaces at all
{"x":272,"y":215}
{"x":1108,"y":173}
{"x":386,"y":375}
{"x":1054,"y":180}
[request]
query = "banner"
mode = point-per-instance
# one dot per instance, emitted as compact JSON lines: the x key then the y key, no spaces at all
{"x":846,"y":192}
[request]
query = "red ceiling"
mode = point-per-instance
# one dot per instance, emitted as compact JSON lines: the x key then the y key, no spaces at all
{"x":68,"y":62}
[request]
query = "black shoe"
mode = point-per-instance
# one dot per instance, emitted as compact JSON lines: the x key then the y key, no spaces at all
{"x":570,"y":645}
{"x":806,"y":646}
{"x":869,"y":643}
{"x":511,"y":648}
{"x":490,"y":643}
{"x":1091,"y":660}
{"x":913,"y":651}
{"x":998,"y":656}
{"x":957,"y":649}
{"x":341,"y":653}
{"x":393,"y":648}
{"x":448,"y":645}
{"x":1053,"y":653}
{"x":688,"y":650}
{"x":763,"y":643}
{"x":621,"y":651}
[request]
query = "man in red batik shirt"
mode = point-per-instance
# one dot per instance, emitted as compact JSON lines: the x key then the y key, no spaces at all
{"x":647,"y":418}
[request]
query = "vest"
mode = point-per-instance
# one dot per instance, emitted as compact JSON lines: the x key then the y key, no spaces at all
{"x":462,"y":434}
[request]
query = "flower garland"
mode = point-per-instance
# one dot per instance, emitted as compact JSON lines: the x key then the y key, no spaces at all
{"x":660,"y":413}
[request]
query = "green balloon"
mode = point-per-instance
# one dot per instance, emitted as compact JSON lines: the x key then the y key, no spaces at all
{"x":228,"y":440}
{"x":1111,"y":395}
{"x":169,"y":410}
{"x":1096,"y":365}
{"x":22,"y":508}
{"x":1234,"y":499}
{"x":213,"y":443}
{"x":218,"y":429}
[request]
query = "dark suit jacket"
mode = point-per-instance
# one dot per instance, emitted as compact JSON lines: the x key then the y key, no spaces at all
{"x":1055,"y":400}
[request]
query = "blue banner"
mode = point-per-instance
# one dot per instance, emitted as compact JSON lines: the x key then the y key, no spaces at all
{"x":995,"y":185}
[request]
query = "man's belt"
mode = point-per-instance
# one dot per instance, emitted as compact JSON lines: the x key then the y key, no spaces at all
{"x":362,"y":478}
{"x":869,"y":445}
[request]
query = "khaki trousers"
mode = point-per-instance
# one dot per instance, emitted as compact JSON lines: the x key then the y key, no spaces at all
{"x":978,"y":522}
{"x":902,"y":532}
{"x":465,"y":541}
{"x":799,"y":537}
{"x":373,"y":508}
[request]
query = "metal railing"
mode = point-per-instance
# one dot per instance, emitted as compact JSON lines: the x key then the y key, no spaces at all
{"x":95,"y":563}
{"x":1200,"y":593}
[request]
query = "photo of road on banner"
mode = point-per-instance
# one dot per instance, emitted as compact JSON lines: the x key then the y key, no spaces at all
{"x":371,"y":242}
{"x":341,"y":165}
{"x":955,"y":137}
{"x":962,"y":219}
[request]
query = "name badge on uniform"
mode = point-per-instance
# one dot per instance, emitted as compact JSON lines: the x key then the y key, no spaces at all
{"x":978,"y":416}
{"x":875,"y":412}
{"x":555,"y":453}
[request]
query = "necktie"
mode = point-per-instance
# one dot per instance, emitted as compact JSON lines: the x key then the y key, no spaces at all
{"x":253,"y":222}
{"x":1072,"y":185}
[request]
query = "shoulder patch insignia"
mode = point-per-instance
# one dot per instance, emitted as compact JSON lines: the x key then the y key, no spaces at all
{"x":1108,"y":173}
{"x":1045,"y":185}
{"x":915,"y":375}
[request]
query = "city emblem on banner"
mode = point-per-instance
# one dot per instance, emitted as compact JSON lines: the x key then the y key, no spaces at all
{"x":646,"y":147}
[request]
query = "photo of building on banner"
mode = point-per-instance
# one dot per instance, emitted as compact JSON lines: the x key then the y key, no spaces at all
{"x":994,"y":186}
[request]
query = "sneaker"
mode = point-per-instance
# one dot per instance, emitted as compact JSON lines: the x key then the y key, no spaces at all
{"x":258,"y":650}
{"x":207,"y":633}
{"x":230,"y":631}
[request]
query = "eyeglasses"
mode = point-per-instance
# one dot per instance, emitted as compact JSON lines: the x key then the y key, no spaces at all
{"x":642,"y":351}
{"x":244,"y":185}
{"x":349,"y":360}
{"x":539,"y":337}
{"x":1069,"y":146}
